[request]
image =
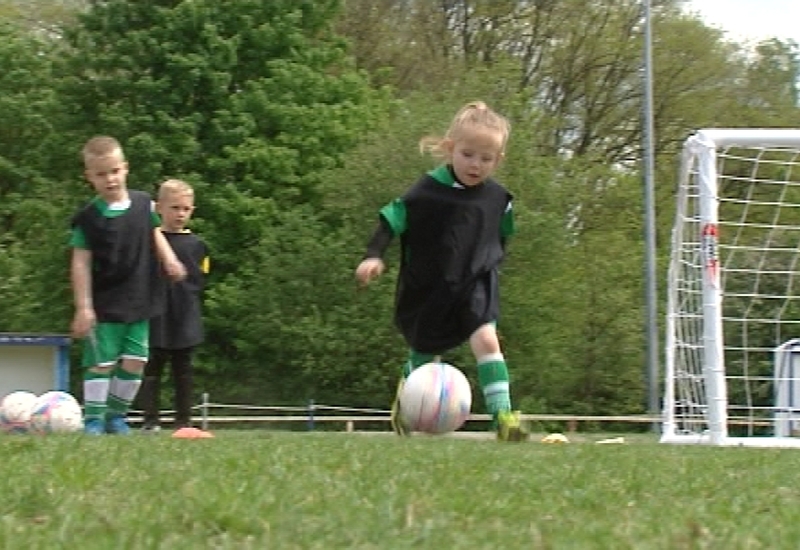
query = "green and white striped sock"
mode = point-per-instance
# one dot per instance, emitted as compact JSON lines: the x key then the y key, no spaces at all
{"x":95,"y":394}
{"x":493,"y":379}
{"x":123,"y":389}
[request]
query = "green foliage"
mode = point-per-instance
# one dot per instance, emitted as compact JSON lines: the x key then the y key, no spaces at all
{"x":32,"y":231}
{"x":26,"y":106}
{"x":260,"y":95}
{"x":558,"y":318}
{"x":30,"y":262}
{"x":42,"y":17}
{"x":289,"y":313}
{"x":251,"y":102}
{"x":273,"y":111}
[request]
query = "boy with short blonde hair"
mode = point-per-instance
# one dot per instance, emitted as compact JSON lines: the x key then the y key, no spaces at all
{"x":117,"y":257}
{"x":178,"y":330}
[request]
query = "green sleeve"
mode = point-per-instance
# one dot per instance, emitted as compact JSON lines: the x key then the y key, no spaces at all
{"x":77,"y":239}
{"x":155,"y":219}
{"x":507,"y":224}
{"x":395,"y":215}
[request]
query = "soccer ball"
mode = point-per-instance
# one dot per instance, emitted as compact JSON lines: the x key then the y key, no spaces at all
{"x":56,"y":412}
{"x":47,"y":396}
{"x":435,"y":399}
{"x":15,"y":412}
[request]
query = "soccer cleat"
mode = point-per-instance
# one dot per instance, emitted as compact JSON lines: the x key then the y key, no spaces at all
{"x":117,"y":425}
{"x":94,"y":426}
{"x":150,"y":429}
{"x":397,"y":420}
{"x":509,"y":427}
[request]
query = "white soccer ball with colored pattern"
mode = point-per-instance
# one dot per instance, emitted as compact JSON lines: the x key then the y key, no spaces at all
{"x":56,"y":412}
{"x":15,"y":412}
{"x":436,"y":399}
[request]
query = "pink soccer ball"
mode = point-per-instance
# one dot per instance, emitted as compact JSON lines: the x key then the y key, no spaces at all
{"x":436,"y":399}
{"x":56,"y":412}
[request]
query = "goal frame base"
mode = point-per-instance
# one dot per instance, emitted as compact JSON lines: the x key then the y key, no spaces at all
{"x":760,"y":442}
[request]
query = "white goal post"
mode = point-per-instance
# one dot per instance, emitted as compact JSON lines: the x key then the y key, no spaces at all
{"x":732,"y":371}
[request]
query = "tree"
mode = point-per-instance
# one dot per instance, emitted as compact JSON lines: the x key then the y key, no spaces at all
{"x":251,"y":102}
{"x":257,"y":96}
{"x":772,"y":76}
{"x":31,"y":226}
{"x":45,"y":18}
{"x":292,"y":151}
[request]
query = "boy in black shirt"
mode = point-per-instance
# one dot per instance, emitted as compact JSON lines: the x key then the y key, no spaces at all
{"x":179,"y":329}
{"x":118,"y":255}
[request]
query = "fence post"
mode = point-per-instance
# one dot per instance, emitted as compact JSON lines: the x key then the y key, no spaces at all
{"x":572,"y":426}
{"x":310,"y":415}
{"x":204,"y":409}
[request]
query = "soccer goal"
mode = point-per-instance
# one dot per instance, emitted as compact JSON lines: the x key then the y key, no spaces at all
{"x":733,"y":310}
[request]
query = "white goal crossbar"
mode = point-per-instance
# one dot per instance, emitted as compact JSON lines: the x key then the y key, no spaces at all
{"x":733,"y":304}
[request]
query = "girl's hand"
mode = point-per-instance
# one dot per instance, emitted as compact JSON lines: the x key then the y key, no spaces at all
{"x":368,"y":270}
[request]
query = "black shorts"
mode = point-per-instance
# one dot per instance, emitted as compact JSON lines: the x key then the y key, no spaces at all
{"x":442,"y":318}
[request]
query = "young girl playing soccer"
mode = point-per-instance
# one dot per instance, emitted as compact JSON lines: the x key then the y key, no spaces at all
{"x":453,"y":224}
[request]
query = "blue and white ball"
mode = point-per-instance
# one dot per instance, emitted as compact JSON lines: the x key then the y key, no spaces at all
{"x":436,"y":399}
{"x":56,"y":412}
{"x":15,"y":412}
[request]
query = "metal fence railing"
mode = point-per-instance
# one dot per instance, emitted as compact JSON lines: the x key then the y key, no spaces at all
{"x":209,"y":413}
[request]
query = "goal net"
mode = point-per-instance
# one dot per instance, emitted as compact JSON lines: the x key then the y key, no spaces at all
{"x":733,"y":311}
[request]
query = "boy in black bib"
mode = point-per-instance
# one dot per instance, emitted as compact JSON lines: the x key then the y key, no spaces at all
{"x":178,"y":330}
{"x":118,"y":258}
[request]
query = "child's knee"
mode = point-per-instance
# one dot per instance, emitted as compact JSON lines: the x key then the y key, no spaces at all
{"x":102,"y":370}
{"x":132,"y":365}
{"x":485,"y":341}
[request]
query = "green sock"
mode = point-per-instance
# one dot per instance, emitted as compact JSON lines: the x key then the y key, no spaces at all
{"x":493,"y":379}
{"x":123,"y":389}
{"x":95,"y":394}
{"x":416,"y":359}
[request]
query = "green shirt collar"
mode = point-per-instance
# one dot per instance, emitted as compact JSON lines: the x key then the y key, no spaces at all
{"x":443,"y":175}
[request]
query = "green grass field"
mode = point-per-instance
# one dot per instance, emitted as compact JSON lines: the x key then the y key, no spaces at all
{"x":280,"y":490}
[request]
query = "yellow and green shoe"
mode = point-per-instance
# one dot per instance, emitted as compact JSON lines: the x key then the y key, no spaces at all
{"x":510,"y":428}
{"x":397,"y":420}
